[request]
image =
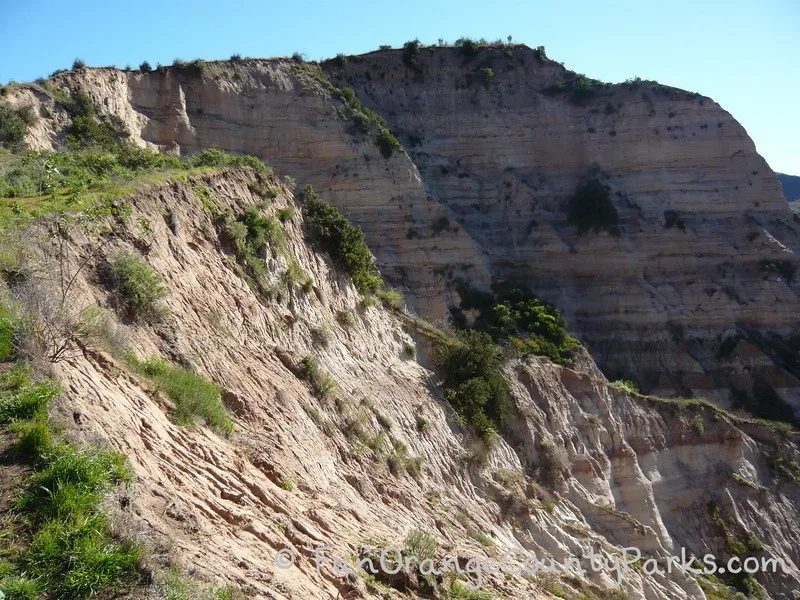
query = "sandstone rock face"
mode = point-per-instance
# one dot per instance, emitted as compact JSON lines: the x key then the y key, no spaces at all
{"x":634,"y":471}
{"x":653,"y":303}
{"x":481,"y":195}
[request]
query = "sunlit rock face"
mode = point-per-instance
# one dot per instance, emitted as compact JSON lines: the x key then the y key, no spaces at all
{"x":701,"y":254}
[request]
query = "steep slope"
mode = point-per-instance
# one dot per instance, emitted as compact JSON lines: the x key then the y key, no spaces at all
{"x":498,"y":141}
{"x":337,"y":467}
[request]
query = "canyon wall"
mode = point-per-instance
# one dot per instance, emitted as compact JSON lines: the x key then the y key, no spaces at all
{"x":693,"y":296}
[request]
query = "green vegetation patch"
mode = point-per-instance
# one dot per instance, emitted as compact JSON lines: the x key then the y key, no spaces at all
{"x":137,"y":287}
{"x":63,"y":546}
{"x":342,"y":240}
{"x":474,"y":382}
{"x":194,"y":396}
{"x":410,"y":55}
{"x":14,"y":123}
{"x":784,"y":268}
{"x":520,"y":321}
{"x":579,"y":88}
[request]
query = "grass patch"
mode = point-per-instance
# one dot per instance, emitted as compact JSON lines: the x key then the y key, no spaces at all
{"x":626,"y":385}
{"x":321,"y":382}
{"x":138,"y":289}
{"x":194,"y":397}
{"x":63,"y":547}
{"x":27,"y":402}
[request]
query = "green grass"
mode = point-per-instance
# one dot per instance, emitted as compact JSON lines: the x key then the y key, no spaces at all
{"x":626,"y":385}
{"x":137,"y":287}
{"x":27,"y":402}
{"x":63,"y":548}
{"x":321,"y":383}
{"x":482,"y":538}
{"x":459,"y":591}
{"x":194,"y":396}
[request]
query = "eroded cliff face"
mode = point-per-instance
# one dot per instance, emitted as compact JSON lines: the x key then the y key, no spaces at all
{"x":635,"y":471}
{"x":480,"y":195}
{"x":699,"y":208}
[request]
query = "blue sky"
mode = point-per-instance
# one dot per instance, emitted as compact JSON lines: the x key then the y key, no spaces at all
{"x":745,"y":55}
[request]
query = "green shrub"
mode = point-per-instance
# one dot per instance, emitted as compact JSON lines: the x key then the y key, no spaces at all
{"x":321,"y":383}
{"x":525,"y":324}
{"x":343,"y":241}
{"x":421,"y":545}
{"x":539,"y":53}
{"x":487,"y":73}
{"x":193,"y":395}
{"x":236,"y":57}
{"x":784,"y":268}
{"x":579,"y":87}
{"x":469,"y":48}
{"x":78,"y":64}
{"x":194,"y":68}
{"x":14,"y":124}
{"x":410,"y":53}
{"x":590,"y":208}
{"x":474,"y":382}
{"x":345,"y":318}
{"x":286,"y":215}
{"x":89,"y":129}
{"x":390,"y":298}
{"x":387,"y":143}
{"x":295,"y":275}
{"x":145,"y":67}
{"x":138,"y":288}
{"x":626,"y":385}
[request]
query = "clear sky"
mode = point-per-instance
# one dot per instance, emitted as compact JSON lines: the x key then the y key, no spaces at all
{"x":743,"y":54}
